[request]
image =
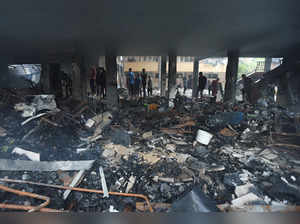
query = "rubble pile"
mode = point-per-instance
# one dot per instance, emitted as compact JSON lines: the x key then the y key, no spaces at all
{"x":235,"y":156}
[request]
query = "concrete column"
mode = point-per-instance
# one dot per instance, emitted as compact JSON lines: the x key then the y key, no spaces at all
{"x":163,"y":75}
{"x":45,"y":78}
{"x":111,"y":82}
{"x":76,"y":81}
{"x":195,"y":76}
{"x":5,"y":80}
{"x":231,"y":75}
{"x":268,"y":63}
{"x":172,"y":77}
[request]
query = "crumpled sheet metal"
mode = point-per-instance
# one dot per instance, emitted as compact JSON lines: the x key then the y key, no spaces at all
{"x":23,"y":165}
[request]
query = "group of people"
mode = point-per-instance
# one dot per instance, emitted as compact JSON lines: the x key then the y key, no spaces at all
{"x":213,"y":87}
{"x":138,"y":83}
{"x":98,"y":81}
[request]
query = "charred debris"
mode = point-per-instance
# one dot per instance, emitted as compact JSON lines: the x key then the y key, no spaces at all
{"x":62,"y":155}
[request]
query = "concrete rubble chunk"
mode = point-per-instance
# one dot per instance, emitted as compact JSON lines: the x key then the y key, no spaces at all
{"x":3,"y":132}
{"x":130,"y":183}
{"x":22,"y":165}
{"x":203,"y":137}
{"x":33,"y":156}
{"x":90,"y":123}
{"x":249,"y":198}
{"x":37,"y":103}
{"x":244,"y":189}
{"x":44,"y":102}
{"x":28,"y":111}
{"x":147,"y":135}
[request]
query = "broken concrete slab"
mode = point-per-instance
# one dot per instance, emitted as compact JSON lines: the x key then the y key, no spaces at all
{"x":247,"y":199}
{"x":244,"y":189}
{"x":33,"y":156}
{"x":36,"y":104}
{"x":44,"y":102}
{"x":22,"y":165}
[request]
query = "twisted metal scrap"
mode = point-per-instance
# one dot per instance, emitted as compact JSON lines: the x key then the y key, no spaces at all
{"x":81,"y":190}
{"x":24,"y":193}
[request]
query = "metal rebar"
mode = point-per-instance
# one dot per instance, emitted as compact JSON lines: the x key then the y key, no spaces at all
{"x":80,"y":189}
{"x":26,"y":208}
{"x":32,"y":195}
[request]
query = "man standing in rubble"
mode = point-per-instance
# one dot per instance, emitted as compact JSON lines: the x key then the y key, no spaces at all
{"x":130,"y":82}
{"x":215,"y":85}
{"x":137,"y":85}
{"x":149,"y":86}
{"x":144,"y":81}
{"x":247,"y":89}
{"x":201,"y":84}
{"x":184,"y":84}
{"x":101,"y":82}
{"x":93,"y":79}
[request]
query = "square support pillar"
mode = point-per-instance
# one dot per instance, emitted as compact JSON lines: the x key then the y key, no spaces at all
{"x":195,"y":77}
{"x":76,"y":81}
{"x":163,"y":75}
{"x":268,"y":63}
{"x":172,"y":77}
{"x":231,"y":75}
{"x":5,"y":79}
{"x":111,"y":82}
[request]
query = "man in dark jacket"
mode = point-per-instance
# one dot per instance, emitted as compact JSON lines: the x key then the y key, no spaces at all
{"x":149,"y":86}
{"x":201,"y":84}
{"x":144,"y":81}
{"x":101,"y":82}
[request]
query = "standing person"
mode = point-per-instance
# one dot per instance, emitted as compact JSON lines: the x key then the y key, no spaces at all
{"x":92,"y":79}
{"x":201,"y":84}
{"x":184,"y":84}
{"x":130,"y":81}
{"x":144,"y":81}
{"x":247,"y":89}
{"x":149,"y":86}
{"x":137,"y":85}
{"x":214,"y":88}
{"x":98,"y":81}
{"x":103,"y":82}
{"x":209,"y":87}
{"x":190,"y":82}
{"x":68,"y":85}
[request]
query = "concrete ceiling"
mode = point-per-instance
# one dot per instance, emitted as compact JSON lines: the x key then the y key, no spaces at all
{"x":33,"y":29}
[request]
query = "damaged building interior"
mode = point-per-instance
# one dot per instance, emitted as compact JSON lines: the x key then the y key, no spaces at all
{"x":82,"y":131}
